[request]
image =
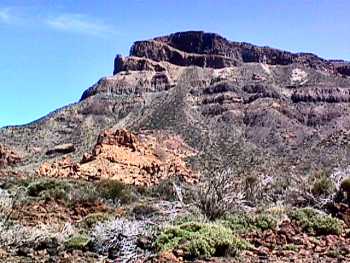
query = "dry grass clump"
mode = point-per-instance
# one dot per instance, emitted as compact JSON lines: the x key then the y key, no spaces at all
{"x":119,"y":238}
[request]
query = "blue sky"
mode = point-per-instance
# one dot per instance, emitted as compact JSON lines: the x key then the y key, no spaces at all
{"x":51,"y":51}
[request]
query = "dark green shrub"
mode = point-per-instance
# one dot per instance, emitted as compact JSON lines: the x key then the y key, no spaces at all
{"x":36,"y":188}
{"x":315,"y":222}
{"x":201,"y":240}
{"x":164,"y":190}
{"x":265,"y":222}
{"x":115,"y":190}
{"x":49,"y":189}
{"x":245,"y":222}
{"x":144,"y":210}
{"x":238,"y":222}
{"x":323,"y":185}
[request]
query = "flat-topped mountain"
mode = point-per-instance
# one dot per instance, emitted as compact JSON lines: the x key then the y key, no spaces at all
{"x":234,"y":103}
{"x":197,"y":48}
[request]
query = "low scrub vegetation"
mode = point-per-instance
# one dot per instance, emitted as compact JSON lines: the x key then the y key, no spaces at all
{"x":200,"y":240}
{"x":249,"y":222}
{"x":116,"y":191}
{"x":315,"y":222}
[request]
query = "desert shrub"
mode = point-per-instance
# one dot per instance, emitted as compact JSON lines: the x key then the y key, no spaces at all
{"x":115,"y":190}
{"x":322,"y":185}
{"x":119,"y":239}
{"x":251,"y":183}
{"x":32,"y":236}
{"x":144,"y":210}
{"x":40,"y":187}
{"x":77,"y":242}
{"x":265,"y":222}
{"x":238,"y":222}
{"x":244,"y":222}
{"x":290,"y":247}
{"x":189,"y":217}
{"x":200,"y":240}
{"x":83,"y":193}
{"x":219,"y":193}
{"x":164,"y":190}
{"x":314,"y":222}
{"x":92,"y":219}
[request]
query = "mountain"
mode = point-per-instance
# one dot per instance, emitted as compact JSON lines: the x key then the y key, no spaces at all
{"x":195,"y":148}
{"x":234,"y":103}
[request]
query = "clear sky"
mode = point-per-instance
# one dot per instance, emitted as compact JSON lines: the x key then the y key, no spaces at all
{"x":51,"y":51}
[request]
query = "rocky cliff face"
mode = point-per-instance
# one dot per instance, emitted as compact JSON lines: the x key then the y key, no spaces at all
{"x":201,"y":49}
{"x":234,"y":103}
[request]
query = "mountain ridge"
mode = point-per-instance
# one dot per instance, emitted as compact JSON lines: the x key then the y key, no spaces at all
{"x":210,"y":86}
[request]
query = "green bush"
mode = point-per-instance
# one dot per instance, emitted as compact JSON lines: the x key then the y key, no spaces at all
{"x":201,"y":240}
{"x":265,"y":222}
{"x":92,"y":219}
{"x":323,"y":185}
{"x":35,"y":188}
{"x":115,"y":190}
{"x":315,"y":222}
{"x":77,"y":242}
{"x":245,"y":222}
{"x":49,"y":189}
{"x":164,"y":190}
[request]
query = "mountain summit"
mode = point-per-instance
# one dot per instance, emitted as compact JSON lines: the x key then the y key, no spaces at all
{"x":190,"y":128}
{"x":229,"y":101}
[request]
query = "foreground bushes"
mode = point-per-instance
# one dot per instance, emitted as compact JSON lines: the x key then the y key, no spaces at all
{"x":72,"y":192}
{"x":200,"y":240}
{"x":315,"y":222}
{"x":245,"y":222}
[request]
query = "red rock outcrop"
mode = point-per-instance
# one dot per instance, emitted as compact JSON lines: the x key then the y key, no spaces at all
{"x":139,"y":159}
{"x":8,"y":157}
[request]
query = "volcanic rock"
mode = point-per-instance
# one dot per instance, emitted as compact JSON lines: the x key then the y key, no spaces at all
{"x":8,"y":157}
{"x":61,"y":149}
{"x":139,"y":159}
{"x":202,"y":49}
{"x":234,"y":103}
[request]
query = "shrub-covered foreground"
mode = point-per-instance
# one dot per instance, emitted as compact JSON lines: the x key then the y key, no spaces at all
{"x":109,"y":220}
{"x":201,"y":240}
{"x":315,"y":222}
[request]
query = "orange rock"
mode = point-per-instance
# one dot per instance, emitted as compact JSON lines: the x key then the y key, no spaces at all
{"x":8,"y":157}
{"x":140,"y":159}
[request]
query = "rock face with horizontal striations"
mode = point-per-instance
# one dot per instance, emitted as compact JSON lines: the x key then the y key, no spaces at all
{"x":202,"y":49}
{"x":234,"y":104}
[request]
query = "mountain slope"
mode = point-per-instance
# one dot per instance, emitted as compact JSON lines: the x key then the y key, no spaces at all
{"x":235,"y":103}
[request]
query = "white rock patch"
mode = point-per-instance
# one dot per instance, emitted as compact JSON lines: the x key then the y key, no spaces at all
{"x":298,"y":76}
{"x":266,"y":68}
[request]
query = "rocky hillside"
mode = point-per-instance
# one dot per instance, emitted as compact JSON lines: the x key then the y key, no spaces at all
{"x":195,"y":149}
{"x":234,"y":103}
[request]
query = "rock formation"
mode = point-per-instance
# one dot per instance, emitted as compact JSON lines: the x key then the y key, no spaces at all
{"x":139,"y":159}
{"x":8,"y":157}
{"x":234,"y":103}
